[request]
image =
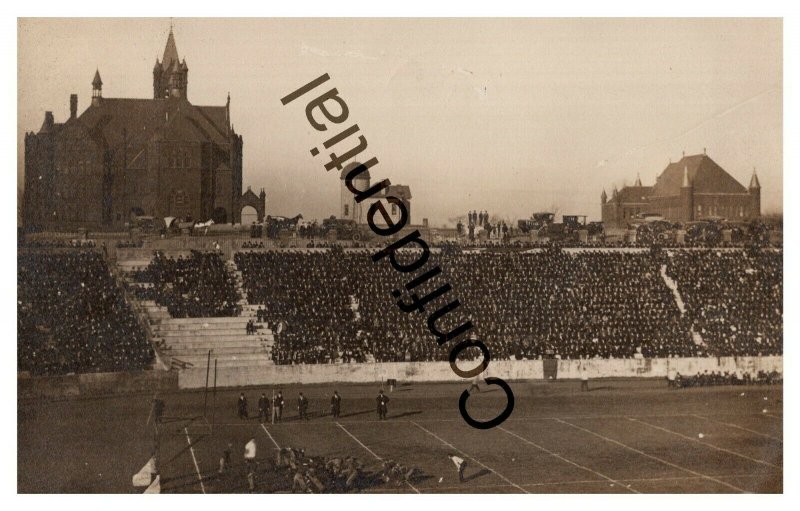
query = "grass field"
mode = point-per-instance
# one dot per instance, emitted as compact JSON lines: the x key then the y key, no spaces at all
{"x":623,"y":436}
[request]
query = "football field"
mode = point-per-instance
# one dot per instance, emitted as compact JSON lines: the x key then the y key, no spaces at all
{"x":623,"y":436}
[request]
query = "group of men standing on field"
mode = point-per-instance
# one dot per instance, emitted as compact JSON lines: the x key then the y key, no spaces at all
{"x":276,"y":404}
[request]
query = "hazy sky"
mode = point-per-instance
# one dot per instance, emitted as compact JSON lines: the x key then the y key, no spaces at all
{"x":510,"y":116}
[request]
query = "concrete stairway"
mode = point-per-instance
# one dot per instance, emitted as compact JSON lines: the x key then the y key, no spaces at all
{"x":673,"y":286}
{"x":186,"y":342}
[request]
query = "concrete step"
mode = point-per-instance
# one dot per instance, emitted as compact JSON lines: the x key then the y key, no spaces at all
{"x":228,"y":360}
{"x":132,"y":265}
{"x":216,"y":341}
{"x":182,"y":352}
{"x":252,"y":307}
{"x":210,"y":332}
{"x":171,"y":324}
{"x":230,"y":320}
{"x":219,"y":340}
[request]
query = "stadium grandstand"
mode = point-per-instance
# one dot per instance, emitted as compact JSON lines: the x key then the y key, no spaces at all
{"x":330,"y":306}
{"x":73,"y":318}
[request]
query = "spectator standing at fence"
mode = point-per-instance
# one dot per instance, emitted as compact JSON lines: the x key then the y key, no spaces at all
{"x":336,"y":403}
{"x":242,"y":406}
{"x":277,"y":406}
{"x":302,"y":406}
{"x":263,"y":408}
{"x":382,"y":401}
{"x":584,"y":378}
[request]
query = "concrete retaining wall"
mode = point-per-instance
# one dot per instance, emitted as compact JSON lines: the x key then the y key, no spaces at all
{"x":94,"y":384}
{"x":441,"y":372}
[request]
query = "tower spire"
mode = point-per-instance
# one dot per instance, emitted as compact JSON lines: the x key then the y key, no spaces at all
{"x":97,"y":88}
{"x":170,"y":52}
{"x":754,"y":184}
{"x":171,"y":79}
{"x":97,"y":83}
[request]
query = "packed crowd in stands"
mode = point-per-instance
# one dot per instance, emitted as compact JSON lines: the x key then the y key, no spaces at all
{"x":72,"y":317}
{"x":56,"y":243}
{"x":336,"y":306}
{"x":253,"y":244}
{"x":734,"y":298}
{"x":194,"y":286}
{"x":130,"y":244}
{"x":714,"y":378}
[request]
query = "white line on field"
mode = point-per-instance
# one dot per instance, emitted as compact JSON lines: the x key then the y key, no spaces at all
{"x":739,"y":427}
{"x":687,"y":437}
{"x":515,"y":418}
{"x":434,"y":489}
{"x":562,"y":458}
{"x":196,"y":466}
{"x":498,"y":474}
{"x":371,"y":452}
{"x":360,"y":443}
{"x":270,"y":437}
{"x":665,"y":462}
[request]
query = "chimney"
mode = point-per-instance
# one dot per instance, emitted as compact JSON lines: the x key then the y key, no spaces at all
{"x":47,"y":125}
{"x":73,"y":106}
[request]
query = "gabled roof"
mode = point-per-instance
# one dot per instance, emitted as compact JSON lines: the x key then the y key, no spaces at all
{"x":182,"y":127}
{"x":399,"y":191}
{"x":632,"y":194}
{"x":139,"y":120}
{"x":705,"y":176}
{"x":248,"y":194}
{"x":217,"y":116}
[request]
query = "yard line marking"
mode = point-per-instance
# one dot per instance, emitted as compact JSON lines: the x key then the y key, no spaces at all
{"x":515,"y":418}
{"x":704,"y":443}
{"x":498,"y":474}
{"x":740,"y":427}
{"x":773,"y":416}
{"x":562,"y":458}
{"x":196,"y":466}
{"x":360,"y":443}
{"x":553,"y":483}
{"x":270,"y":437}
{"x":651,"y":456}
{"x":371,"y":452}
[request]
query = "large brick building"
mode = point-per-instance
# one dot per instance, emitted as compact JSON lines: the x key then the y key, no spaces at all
{"x":694,"y":188}
{"x":123,"y":157}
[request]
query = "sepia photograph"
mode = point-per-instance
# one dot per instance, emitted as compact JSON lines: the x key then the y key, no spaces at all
{"x":413,"y":255}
